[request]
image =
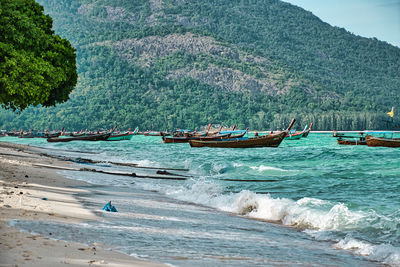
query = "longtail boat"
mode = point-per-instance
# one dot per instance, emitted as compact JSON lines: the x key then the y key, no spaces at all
{"x":270,"y":140}
{"x":39,"y":134}
{"x":154,"y":133}
{"x":306,"y":132}
{"x":120,"y":137}
{"x":178,"y":137}
{"x":360,"y":138}
{"x":184,"y":136}
{"x":95,"y":137}
{"x":382,"y":142}
{"x":92,"y":137}
{"x":352,"y":141}
{"x":123,"y":136}
{"x":298,"y":135}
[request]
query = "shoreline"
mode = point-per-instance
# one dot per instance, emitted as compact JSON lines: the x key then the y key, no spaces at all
{"x":29,"y":192}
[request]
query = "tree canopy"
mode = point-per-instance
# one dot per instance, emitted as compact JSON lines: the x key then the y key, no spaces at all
{"x":37,"y":67}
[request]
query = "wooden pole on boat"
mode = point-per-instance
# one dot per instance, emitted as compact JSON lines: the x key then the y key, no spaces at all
{"x":291,"y":124}
{"x":209,"y":126}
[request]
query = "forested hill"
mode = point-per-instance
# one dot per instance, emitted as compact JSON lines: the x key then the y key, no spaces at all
{"x":161,"y":64}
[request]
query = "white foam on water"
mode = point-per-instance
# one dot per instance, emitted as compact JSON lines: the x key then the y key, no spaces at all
{"x":145,"y":163}
{"x":385,"y":253}
{"x":319,"y":218}
{"x":307,"y":213}
{"x":263,"y":168}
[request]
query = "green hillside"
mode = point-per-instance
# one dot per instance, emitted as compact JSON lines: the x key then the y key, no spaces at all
{"x":162,"y":64}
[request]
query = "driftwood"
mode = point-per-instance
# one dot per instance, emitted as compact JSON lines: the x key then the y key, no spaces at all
{"x":66,"y":150}
{"x":109,"y":172}
{"x":83,"y":160}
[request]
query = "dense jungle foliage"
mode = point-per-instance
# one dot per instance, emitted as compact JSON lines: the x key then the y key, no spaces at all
{"x":36,"y":66}
{"x":163,"y":64}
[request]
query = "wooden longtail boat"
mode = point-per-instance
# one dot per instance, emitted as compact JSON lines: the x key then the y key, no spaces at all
{"x":96,"y":137}
{"x":271,"y":140}
{"x":220,"y":136}
{"x":154,"y":133}
{"x":92,"y":137}
{"x":382,"y":142}
{"x":123,"y":136}
{"x":120,"y":137}
{"x":306,"y":132}
{"x":203,"y":137}
{"x":39,"y":135}
{"x":352,"y":142}
{"x":298,"y":135}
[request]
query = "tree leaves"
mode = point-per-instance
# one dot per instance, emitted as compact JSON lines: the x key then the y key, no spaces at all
{"x":36,"y":66}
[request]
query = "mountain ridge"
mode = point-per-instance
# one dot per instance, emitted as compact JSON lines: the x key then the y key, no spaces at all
{"x":167,"y":64}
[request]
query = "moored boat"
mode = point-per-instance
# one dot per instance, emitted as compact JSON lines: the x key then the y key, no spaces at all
{"x":299,"y":135}
{"x":120,"y":137}
{"x":103,"y":136}
{"x":186,"y":136}
{"x":270,"y":140}
{"x":123,"y":136}
{"x":96,"y":137}
{"x":352,"y":141}
{"x":373,"y":141}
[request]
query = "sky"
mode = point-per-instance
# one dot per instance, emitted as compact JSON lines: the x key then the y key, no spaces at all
{"x":367,"y":18}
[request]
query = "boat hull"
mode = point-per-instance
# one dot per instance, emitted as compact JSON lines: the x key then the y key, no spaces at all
{"x":382,"y":142}
{"x":120,"y":137}
{"x":351,"y":142}
{"x":200,"y":138}
{"x":99,"y":137}
{"x":294,"y":136}
{"x":272,"y":140}
{"x":175,"y":139}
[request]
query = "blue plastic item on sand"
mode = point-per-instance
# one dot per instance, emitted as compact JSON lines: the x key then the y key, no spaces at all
{"x":109,"y":207}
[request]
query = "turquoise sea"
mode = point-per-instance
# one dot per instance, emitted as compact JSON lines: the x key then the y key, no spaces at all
{"x":309,"y":202}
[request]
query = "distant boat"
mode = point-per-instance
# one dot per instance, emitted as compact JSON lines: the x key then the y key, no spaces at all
{"x":154,"y":133}
{"x":361,"y":139}
{"x":123,"y":136}
{"x":299,"y":135}
{"x":92,"y":137}
{"x":184,"y":136}
{"x":120,"y":137}
{"x":95,"y":137}
{"x":45,"y":134}
{"x":352,"y":141}
{"x":382,"y":141}
{"x":270,"y":140}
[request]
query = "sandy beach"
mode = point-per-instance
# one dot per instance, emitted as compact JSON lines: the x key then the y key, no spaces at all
{"x":29,"y":192}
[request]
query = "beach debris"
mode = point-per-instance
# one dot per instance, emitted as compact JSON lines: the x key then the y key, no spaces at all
{"x":84,"y":160}
{"x":112,"y":172}
{"x":109,"y":207}
{"x":44,"y":198}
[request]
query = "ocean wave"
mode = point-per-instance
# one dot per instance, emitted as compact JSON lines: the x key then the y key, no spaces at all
{"x":323,"y":220}
{"x":385,"y":253}
{"x":305,"y":213}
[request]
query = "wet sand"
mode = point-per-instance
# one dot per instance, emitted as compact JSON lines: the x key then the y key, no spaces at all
{"x":29,"y":192}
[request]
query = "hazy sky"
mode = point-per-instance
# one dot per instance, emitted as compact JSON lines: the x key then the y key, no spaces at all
{"x":368,"y":18}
